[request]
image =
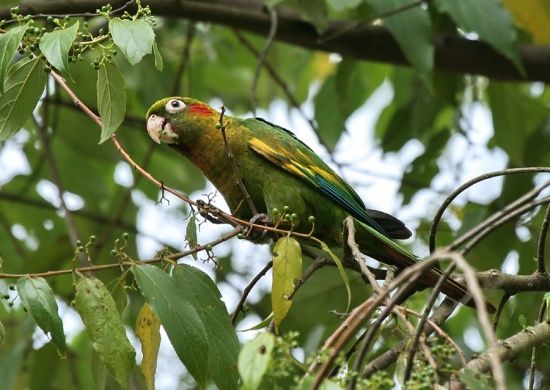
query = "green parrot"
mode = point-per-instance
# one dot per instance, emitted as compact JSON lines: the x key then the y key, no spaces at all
{"x":282,"y":173}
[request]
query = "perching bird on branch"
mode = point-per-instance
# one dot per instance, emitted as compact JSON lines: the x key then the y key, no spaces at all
{"x":281,"y":175}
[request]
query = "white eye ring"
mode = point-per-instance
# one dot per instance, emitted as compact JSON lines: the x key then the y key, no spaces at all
{"x":174,"y":106}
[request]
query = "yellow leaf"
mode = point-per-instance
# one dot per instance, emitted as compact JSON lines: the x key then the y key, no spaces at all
{"x":533,"y":16}
{"x":148,"y":332}
{"x":287,"y":268}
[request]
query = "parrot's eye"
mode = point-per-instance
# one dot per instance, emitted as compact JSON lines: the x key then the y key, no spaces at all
{"x":174,"y":106}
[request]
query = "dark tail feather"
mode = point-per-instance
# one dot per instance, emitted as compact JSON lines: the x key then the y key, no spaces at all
{"x":381,"y":248}
{"x":453,"y":289}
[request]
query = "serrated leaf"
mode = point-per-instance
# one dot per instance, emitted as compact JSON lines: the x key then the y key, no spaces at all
{"x":55,"y":46}
{"x":533,"y":16}
{"x":39,"y":300}
{"x":178,"y":317}
{"x":497,"y":30}
{"x":24,"y":85}
{"x":191,"y":234}
{"x":148,"y":332}
{"x":287,"y":268}
{"x":254,"y":360}
{"x":341,"y":270}
{"x":111,"y":99}
{"x":100,"y":316}
{"x":134,"y":37}
{"x":9,"y":42}
{"x":412,"y":29}
{"x":205,"y":297}
{"x":159,"y":62}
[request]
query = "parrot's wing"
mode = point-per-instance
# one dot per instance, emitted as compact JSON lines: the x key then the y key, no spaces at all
{"x":298,"y":159}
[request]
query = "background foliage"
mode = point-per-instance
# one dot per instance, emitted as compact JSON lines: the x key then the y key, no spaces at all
{"x":72,"y":200}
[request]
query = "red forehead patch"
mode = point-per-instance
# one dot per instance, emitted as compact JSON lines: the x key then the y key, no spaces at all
{"x":200,"y":109}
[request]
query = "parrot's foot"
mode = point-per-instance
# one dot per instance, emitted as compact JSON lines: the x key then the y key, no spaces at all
{"x":255,"y":233}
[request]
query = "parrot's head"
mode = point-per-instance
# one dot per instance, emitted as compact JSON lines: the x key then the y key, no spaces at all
{"x":175,"y":120}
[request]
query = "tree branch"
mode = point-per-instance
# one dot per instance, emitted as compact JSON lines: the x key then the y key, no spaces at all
{"x":513,"y":346}
{"x":373,"y":43}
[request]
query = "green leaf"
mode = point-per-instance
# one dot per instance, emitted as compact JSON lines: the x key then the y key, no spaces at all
{"x":148,"y":332}
{"x":343,"y":93}
{"x":287,"y":268}
{"x":516,"y":116}
{"x":159,"y":63}
{"x":260,"y":325}
{"x":498,"y":30}
{"x":24,"y":85}
{"x":55,"y":46}
{"x":111,"y":99}
{"x":341,"y":270}
{"x":134,"y":37}
{"x":181,"y":321}
{"x":100,"y":316}
{"x":412,"y":29}
{"x":254,"y":360}
{"x":343,"y":5}
{"x":39,"y":300}
{"x":9,"y":42}
{"x":191,"y":234}
{"x":205,"y":297}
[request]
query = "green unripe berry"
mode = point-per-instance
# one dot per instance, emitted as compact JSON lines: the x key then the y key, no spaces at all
{"x":240,"y":236}
{"x":311,"y":219}
{"x":113,"y":252}
{"x":6,"y":296}
{"x":81,"y":248}
{"x":286,"y":208}
{"x":93,"y":239}
{"x":208,"y":247}
{"x":10,"y":304}
{"x":125,"y":235}
{"x":78,"y":243}
{"x":12,"y":287}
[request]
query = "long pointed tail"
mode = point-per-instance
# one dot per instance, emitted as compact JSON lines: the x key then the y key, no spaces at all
{"x":379,"y":247}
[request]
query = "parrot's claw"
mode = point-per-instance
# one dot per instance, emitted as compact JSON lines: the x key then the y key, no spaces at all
{"x":255,"y":233}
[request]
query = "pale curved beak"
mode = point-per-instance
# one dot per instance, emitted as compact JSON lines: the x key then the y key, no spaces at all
{"x":160,"y":130}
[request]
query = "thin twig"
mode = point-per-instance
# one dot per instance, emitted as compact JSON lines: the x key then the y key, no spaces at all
{"x":382,"y":15}
{"x":122,"y":205}
{"x":75,"y":15}
{"x":389,"y":357}
{"x":500,"y":308}
{"x":233,"y":164}
{"x":483,"y":316}
{"x":468,"y":184}
{"x":96,"y":268}
{"x":183,"y":65}
{"x":72,"y":228}
{"x":541,"y":268}
{"x":247,"y":290}
{"x":263,"y":55}
{"x":420,"y":327}
{"x":517,"y":207}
